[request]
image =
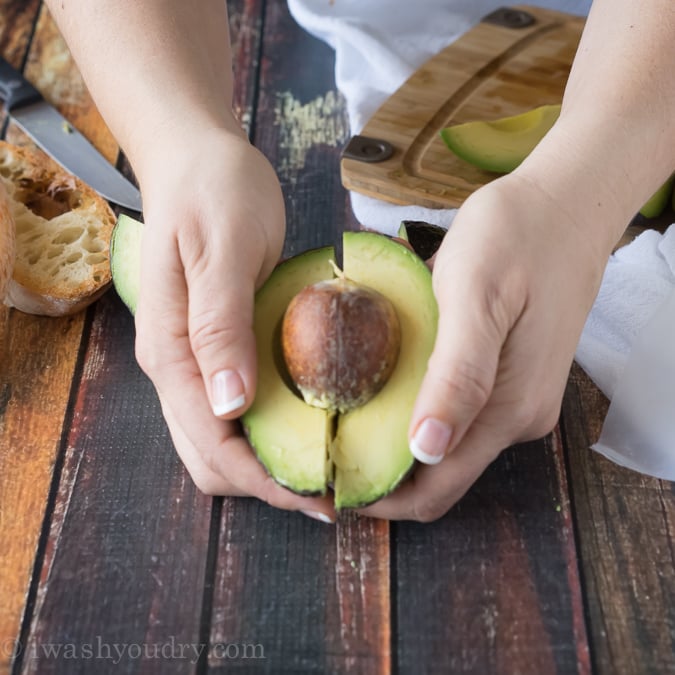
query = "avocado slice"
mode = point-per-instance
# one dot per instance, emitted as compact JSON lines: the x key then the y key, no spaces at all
{"x":500,"y":145}
{"x":364,"y":453}
{"x":659,"y":200}
{"x":125,"y":259}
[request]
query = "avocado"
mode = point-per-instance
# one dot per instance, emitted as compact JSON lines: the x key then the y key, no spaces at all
{"x":365,"y":452}
{"x":500,"y":145}
{"x":362,"y":454}
{"x":659,"y":200}
{"x":125,"y":259}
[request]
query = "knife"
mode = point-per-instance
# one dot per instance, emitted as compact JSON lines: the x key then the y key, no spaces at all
{"x":60,"y":140}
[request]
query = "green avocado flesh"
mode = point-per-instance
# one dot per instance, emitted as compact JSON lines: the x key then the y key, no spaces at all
{"x":500,"y":145}
{"x":659,"y":200}
{"x":363,"y":454}
{"x":289,"y":437}
{"x":125,"y":259}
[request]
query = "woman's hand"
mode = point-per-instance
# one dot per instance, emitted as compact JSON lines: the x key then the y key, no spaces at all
{"x":214,"y":231}
{"x":515,"y":279}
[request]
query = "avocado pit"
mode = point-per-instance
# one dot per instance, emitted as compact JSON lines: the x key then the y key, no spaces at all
{"x":340,"y":342}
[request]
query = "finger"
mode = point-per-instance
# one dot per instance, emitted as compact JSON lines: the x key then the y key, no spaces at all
{"x":472,"y":328}
{"x":220,"y":319}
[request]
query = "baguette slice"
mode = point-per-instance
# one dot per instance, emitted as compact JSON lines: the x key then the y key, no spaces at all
{"x":63,"y":230}
{"x":7,"y":247}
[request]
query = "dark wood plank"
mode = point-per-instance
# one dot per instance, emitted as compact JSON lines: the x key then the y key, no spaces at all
{"x":312,"y":597}
{"x":301,"y":125}
{"x":493,"y":586}
{"x":626,"y":533}
{"x":51,"y":69}
{"x":125,"y":559}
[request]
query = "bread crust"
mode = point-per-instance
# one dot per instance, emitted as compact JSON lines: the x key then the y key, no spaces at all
{"x":63,"y":229}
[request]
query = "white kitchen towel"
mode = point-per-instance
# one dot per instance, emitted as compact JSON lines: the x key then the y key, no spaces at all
{"x":378,"y":44}
{"x":628,"y":349}
{"x":638,"y":279}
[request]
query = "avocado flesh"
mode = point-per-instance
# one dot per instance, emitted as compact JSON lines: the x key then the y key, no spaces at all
{"x":659,"y":200}
{"x":125,"y":259}
{"x":290,"y":438}
{"x":370,"y":451}
{"x":500,"y":145}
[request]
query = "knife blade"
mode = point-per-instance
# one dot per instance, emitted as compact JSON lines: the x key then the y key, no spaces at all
{"x":60,"y":140}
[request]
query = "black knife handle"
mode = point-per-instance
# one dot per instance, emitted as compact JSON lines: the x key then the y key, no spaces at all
{"x":15,"y":90}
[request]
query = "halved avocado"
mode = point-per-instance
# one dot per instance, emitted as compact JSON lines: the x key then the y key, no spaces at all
{"x":125,"y":259}
{"x":368,"y":454}
{"x":500,"y":145}
{"x":364,"y":453}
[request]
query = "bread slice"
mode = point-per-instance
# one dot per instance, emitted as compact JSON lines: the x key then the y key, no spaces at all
{"x":63,"y":229}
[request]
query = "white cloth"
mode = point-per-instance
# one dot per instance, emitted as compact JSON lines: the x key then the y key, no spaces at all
{"x":378,"y":44}
{"x":628,"y":349}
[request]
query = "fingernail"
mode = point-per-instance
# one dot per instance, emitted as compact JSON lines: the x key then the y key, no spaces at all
{"x":317,"y":515}
{"x":227,"y":391}
{"x":430,"y":441}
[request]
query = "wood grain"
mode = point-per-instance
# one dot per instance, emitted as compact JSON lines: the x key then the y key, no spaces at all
{"x":555,"y":562}
{"x":626,"y":534}
{"x":493,"y":587}
{"x":125,"y":559}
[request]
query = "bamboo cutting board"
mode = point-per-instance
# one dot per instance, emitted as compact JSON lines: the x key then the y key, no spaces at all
{"x":512,"y":61}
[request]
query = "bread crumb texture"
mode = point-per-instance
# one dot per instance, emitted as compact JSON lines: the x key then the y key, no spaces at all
{"x":62,"y":230}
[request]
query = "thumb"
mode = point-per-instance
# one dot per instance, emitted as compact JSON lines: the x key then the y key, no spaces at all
{"x":220,"y":326}
{"x":461,"y":371}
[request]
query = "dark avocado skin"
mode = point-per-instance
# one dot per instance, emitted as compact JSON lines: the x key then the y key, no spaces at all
{"x":424,"y":237}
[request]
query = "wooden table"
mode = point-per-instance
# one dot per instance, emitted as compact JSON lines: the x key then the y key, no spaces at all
{"x":111,"y":561}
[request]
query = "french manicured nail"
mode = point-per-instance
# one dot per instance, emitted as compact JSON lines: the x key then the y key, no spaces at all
{"x":317,"y":515}
{"x":227,"y":391}
{"x":430,"y":441}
